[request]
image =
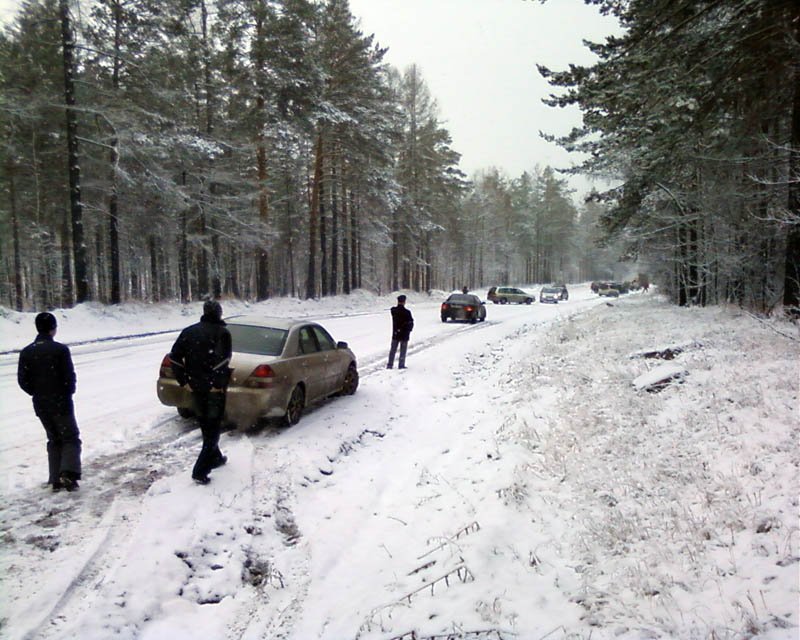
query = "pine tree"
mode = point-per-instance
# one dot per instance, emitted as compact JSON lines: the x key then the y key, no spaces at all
{"x":692,"y":102}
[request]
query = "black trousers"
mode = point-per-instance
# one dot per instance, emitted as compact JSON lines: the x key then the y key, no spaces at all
{"x":209,"y":406}
{"x":63,"y":444}
{"x":403,"y":344}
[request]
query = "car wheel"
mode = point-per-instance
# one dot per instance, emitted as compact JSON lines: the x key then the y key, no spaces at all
{"x":528,"y":300}
{"x":185,"y":412}
{"x":473,"y":320}
{"x":350,"y":381}
{"x":444,"y":318}
{"x":503,"y":300}
{"x":295,"y":407}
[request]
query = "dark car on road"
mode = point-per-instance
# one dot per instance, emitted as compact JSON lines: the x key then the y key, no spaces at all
{"x":463,"y":306}
{"x":550,"y":294}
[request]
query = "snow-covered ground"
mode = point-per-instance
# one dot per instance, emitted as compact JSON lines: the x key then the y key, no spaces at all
{"x":517,"y":481}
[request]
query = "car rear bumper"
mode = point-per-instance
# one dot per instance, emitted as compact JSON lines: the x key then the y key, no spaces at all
{"x":460,"y":314}
{"x":243,"y":405}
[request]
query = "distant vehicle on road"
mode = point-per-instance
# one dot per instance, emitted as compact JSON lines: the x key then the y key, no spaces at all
{"x":506,"y":295}
{"x":563,"y":288}
{"x":550,"y":294}
{"x":608,"y":290}
{"x":463,"y":306}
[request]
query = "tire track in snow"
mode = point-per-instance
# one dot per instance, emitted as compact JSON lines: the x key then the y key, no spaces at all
{"x":279,"y":551}
{"x":130,"y":474}
{"x":108,"y":503}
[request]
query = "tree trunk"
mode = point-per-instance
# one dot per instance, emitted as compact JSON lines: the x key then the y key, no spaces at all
{"x":791,"y":281}
{"x":155,"y":278}
{"x":66,"y":266}
{"x":334,"y":227}
{"x":290,"y":237}
{"x":12,"y":194}
{"x":216,"y":279}
{"x":346,"y":239}
{"x":395,"y":280}
{"x":113,"y":220}
{"x":183,"y":253}
{"x":323,"y":240}
{"x":234,"y":286}
{"x":355,"y":245}
{"x":202,"y":257}
{"x":136,"y":281}
{"x":263,"y":214}
{"x":311,"y":279}
{"x":73,"y":157}
{"x":99,"y":267}
{"x":262,"y":275}
{"x":113,"y":230}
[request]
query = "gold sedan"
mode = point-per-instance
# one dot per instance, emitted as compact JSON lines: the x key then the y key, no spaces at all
{"x":279,"y":367}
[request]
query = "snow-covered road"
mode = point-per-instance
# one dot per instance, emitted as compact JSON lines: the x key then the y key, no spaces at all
{"x":116,"y":404}
{"x":478,"y":493}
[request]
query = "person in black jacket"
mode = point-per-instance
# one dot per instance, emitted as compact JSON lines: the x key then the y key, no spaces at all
{"x":45,"y":372}
{"x":200,"y":358}
{"x":402,"y":324}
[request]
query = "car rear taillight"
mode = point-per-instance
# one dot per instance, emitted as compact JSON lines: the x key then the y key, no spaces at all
{"x":445,"y":306}
{"x":166,"y":368}
{"x":469,"y":309}
{"x":262,"y":377}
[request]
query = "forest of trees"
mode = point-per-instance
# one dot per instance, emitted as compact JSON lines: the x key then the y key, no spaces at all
{"x":177,"y":149}
{"x":695,"y":113}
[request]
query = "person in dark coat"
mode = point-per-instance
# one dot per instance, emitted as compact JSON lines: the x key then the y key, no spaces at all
{"x":200,"y":358}
{"x":402,"y":324}
{"x":45,"y":372}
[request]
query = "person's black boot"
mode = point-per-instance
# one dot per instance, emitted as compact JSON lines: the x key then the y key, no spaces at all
{"x":69,"y":482}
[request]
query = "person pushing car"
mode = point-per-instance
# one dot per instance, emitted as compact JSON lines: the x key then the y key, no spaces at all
{"x":200,"y":358}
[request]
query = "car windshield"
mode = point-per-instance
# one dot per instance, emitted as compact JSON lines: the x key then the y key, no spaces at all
{"x":460,"y":298}
{"x":551,"y":290}
{"x":264,"y":341}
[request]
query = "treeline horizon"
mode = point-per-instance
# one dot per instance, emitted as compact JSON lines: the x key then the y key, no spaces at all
{"x":185,"y":149}
{"x":180,"y":150}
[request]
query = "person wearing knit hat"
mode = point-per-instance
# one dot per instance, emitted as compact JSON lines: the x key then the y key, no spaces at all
{"x":402,"y":324}
{"x":46,"y":373}
{"x":200,"y":358}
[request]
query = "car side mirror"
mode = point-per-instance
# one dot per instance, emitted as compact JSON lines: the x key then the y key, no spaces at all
{"x":341,"y":345}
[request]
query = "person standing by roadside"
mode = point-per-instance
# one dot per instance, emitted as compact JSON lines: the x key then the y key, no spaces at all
{"x":200,"y":358}
{"x":402,"y":324}
{"x":45,"y":372}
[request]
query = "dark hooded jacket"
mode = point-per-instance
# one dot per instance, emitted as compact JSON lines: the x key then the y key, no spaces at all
{"x":45,"y":371}
{"x":201,"y":355}
{"x":402,"y":323}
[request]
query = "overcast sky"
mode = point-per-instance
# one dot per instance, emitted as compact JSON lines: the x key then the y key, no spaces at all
{"x":479,"y":59}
